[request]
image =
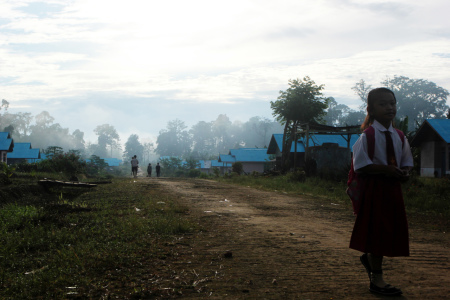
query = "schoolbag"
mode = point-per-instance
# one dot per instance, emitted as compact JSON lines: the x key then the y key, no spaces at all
{"x":355,"y":183}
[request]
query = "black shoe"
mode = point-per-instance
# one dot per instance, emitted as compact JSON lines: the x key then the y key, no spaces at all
{"x":365,"y":262}
{"x":388,"y":290}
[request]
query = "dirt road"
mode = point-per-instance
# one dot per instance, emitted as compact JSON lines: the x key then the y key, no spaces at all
{"x":269,"y":245}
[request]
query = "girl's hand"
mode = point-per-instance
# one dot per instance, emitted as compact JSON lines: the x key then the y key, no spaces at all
{"x":405,"y":176}
{"x":395,"y":172}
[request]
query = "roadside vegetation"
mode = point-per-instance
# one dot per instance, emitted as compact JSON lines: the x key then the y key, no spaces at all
{"x":66,"y":243}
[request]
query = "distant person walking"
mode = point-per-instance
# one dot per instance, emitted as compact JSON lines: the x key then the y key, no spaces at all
{"x":149,"y":170}
{"x":158,"y":170}
{"x":134,"y":166}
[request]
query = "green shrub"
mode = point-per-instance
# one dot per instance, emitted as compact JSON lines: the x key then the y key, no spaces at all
{"x":68,"y":163}
{"x":231,"y":175}
{"x":6,"y":172}
{"x":203,"y":175}
{"x":180,"y":173}
{"x":237,"y":168}
{"x":296,"y":176}
{"x":194,"y":173}
{"x":216,"y":171}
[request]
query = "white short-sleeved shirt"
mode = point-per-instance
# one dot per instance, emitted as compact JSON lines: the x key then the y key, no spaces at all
{"x":361,"y":158}
{"x":134,"y":162}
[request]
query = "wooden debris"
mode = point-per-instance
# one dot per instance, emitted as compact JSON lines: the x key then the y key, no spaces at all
{"x":51,"y":182}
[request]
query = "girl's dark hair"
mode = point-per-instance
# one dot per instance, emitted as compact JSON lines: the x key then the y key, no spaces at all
{"x":373,"y":94}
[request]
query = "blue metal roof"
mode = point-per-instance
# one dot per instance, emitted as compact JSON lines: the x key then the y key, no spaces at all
{"x":112,"y":162}
{"x":202,"y":164}
{"x":314,"y":140}
{"x":6,"y":142}
{"x":24,"y":150}
{"x":276,"y":142}
{"x":250,"y":154}
{"x":320,"y":139}
{"x":442,"y":127}
{"x":216,"y":163}
{"x":227,"y":158}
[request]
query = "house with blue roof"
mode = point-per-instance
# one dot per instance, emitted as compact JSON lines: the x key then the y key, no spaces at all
{"x":112,"y":162}
{"x":226,"y":161}
{"x":23,"y":152}
{"x":207,"y":166}
{"x":6,"y":146}
{"x":276,"y":148}
{"x":433,"y":139}
{"x":252,"y":159}
{"x":326,"y":149}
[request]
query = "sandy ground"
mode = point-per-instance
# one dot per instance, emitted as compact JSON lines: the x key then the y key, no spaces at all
{"x":269,"y":245}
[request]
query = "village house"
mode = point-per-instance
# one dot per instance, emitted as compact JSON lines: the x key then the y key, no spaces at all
{"x":226,"y":161}
{"x":331,"y":152}
{"x":6,"y":145}
{"x":207,"y":166}
{"x":23,"y":152}
{"x":297,"y":153}
{"x":433,"y":139}
{"x":252,"y":159}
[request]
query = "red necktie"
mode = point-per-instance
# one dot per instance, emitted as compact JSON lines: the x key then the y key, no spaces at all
{"x":390,"y":149}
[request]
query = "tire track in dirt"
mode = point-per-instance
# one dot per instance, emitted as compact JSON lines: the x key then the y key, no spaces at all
{"x":297,"y":248}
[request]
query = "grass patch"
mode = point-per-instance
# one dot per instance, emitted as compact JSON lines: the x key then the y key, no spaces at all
{"x":60,"y":245}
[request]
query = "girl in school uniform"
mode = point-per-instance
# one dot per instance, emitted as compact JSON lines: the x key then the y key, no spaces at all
{"x":381,"y":228}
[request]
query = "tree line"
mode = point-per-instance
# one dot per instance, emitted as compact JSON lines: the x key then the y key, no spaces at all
{"x":302,"y":102}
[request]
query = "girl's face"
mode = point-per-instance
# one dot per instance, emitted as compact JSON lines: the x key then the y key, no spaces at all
{"x":384,"y":109}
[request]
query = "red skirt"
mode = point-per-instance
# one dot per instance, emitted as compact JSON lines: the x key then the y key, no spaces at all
{"x":381,"y":227}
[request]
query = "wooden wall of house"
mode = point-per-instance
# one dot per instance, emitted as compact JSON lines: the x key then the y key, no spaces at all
{"x":330,"y":159}
{"x":250,"y":167}
{"x":3,"y":156}
{"x":427,"y":158}
{"x":434,"y":159}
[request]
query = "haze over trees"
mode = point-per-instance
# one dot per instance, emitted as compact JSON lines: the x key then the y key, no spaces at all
{"x":205,"y":140}
{"x":107,"y":136}
{"x":302,"y":102}
{"x":133,"y":147}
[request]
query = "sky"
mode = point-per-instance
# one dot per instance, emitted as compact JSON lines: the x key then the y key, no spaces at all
{"x":138,"y":64}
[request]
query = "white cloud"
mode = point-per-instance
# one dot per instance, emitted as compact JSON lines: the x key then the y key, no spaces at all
{"x":212,"y":52}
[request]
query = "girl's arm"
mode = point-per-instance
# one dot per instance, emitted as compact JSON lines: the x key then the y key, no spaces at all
{"x":387,"y":170}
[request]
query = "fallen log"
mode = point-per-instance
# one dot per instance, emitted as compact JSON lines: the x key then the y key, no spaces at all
{"x":52,"y":182}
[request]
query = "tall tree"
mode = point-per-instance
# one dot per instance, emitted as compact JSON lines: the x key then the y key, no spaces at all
{"x":4,"y":105}
{"x":45,"y":133}
{"x":133,"y":147}
{"x":302,"y":102}
{"x":148,"y":149}
{"x":342,"y":115}
{"x":256,"y":132}
{"x":21,"y":123}
{"x":175,"y":140}
{"x":221,"y":128}
{"x":202,"y":140}
{"x":417,"y":99}
{"x":361,"y":88}
{"x":107,"y":135}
